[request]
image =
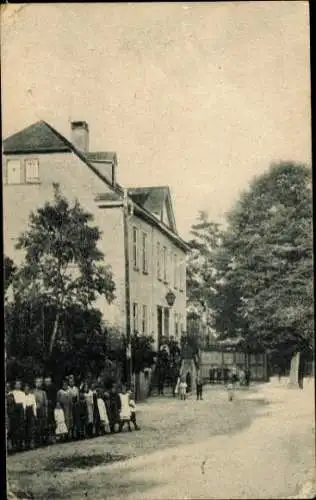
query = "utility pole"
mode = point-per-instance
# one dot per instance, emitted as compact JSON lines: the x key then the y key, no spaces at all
{"x":127,"y":290}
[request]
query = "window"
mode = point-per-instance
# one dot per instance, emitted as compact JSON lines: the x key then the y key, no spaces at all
{"x":144,"y":253}
{"x":14,"y":173}
{"x":135,"y":317}
{"x":144,"y":320}
{"x":165,"y":264}
{"x":176,"y":324}
{"x":135,"y":248}
{"x":32,"y":170}
{"x":175,"y":271}
{"x":158,"y":261}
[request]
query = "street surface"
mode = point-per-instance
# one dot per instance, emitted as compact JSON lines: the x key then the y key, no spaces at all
{"x":259,"y":446}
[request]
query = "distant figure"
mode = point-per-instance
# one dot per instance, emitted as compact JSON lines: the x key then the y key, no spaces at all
{"x":183,"y":389}
{"x":64,"y":397}
{"x":242,"y":377}
{"x":230,"y":391}
{"x":30,"y":417}
{"x":199,"y":388}
{"x":132,"y":405}
{"x":211,"y":372}
{"x":247,"y":377}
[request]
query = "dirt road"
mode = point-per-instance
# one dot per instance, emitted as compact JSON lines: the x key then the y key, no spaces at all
{"x":207,"y":449}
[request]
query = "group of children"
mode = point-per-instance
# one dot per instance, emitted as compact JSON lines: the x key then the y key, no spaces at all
{"x":44,"y":415}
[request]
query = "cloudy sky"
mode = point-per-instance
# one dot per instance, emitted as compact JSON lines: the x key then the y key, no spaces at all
{"x":201,"y":97}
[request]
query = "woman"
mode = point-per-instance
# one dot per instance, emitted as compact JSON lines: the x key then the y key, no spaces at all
{"x":51,"y":393}
{"x":17,"y":419}
{"x":64,"y":397}
{"x":74,"y":391}
{"x":30,"y":417}
{"x":89,"y":399}
{"x":114,"y":407}
{"x":42,"y":410}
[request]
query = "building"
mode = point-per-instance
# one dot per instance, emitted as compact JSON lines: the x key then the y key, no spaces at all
{"x":39,"y":156}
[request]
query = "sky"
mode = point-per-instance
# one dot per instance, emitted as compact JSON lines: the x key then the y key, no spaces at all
{"x":198,"y":96}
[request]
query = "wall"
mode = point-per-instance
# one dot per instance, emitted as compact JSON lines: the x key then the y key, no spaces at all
{"x":76,"y":181}
{"x":146,"y":289}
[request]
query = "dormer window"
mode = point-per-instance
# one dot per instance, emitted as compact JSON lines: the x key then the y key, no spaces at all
{"x":14,"y":172}
{"x":31,"y":170}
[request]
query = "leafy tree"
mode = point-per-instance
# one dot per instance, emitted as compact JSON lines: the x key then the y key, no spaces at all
{"x":265,"y":267}
{"x":202,"y":273}
{"x":63,"y":264}
{"x":9,"y":269}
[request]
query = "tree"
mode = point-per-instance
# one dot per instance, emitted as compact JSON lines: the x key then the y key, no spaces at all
{"x":63,"y":264}
{"x":9,"y":269}
{"x":201,"y":272}
{"x":265,"y":267}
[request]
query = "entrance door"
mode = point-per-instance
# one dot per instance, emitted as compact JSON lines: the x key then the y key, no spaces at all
{"x":159,"y":324}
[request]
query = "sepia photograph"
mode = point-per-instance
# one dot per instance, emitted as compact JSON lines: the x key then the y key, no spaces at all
{"x":158,"y":251}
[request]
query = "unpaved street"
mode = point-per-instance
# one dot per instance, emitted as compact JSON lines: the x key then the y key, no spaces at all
{"x":259,"y":446}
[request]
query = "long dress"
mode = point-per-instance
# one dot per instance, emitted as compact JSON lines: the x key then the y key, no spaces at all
{"x":114,"y":407}
{"x":51,"y":393}
{"x":42,"y":412}
{"x":125,"y":412}
{"x":61,"y":427}
{"x":30,"y":417}
{"x":102,"y":412}
{"x":74,"y":391}
{"x":17,"y":419}
{"x":65,"y":399}
{"x":90,"y":411}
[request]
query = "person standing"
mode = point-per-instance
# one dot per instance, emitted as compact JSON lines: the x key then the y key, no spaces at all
{"x":51,"y":393}
{"x":42,"y":410}
{"x":64,"y":397}
{"x":132,"y":405}
{"x":61,"y":427}
{"x":114,"y":406}
{"x":183,"y":389}
{"x":89,"y":399}
{"x":18,"y":415}
{"x":103,"y":417}
{"x":125,"y":412}
{"x":74,"y":391}
{"x":9,"y":413}
{"x":30,"y":417}
{"x":199,"y":388}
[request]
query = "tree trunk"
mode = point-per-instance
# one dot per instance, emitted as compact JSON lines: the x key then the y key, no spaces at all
{"x":294,"y":372}
{"x":54,"y":334}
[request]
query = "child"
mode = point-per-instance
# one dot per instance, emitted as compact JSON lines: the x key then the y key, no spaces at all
{"x":132,"y":405}
{"x":230,"y":388}
{"x":199,"y":388}
{"x":125,"y":412}
{"x":104,"y":421}
{"x":183,"y":389}
{"x":61,"y":427}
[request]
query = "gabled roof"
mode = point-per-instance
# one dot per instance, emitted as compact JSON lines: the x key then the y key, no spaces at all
{"x":38,"y":137}
{"x":154,"y":199}
{"x":149,"y":202}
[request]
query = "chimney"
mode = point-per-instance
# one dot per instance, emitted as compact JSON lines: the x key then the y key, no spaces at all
{"x":80,"y":136}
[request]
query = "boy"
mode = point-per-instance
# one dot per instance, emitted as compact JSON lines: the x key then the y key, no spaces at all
{"x":199,"y":388}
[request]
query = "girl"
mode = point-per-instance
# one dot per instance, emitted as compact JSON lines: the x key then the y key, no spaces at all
{"x":61,"y":427}
{"x":74,"y":391}
{"x":183,"y":389}
{"x":125,"y":413}
{"x":104,"y":421}
{"x":64,"y":397}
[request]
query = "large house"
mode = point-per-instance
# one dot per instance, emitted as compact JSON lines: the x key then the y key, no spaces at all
{"x":37,"y":157}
